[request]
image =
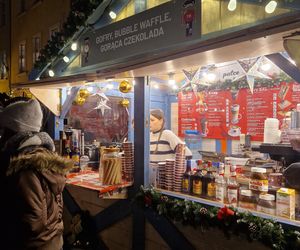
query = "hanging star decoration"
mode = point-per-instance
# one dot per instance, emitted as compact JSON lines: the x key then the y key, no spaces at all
{"x":102,"y":102}
{"x":250,"y":71}
{"x":192,"y":78}
{"x":102,"y":106}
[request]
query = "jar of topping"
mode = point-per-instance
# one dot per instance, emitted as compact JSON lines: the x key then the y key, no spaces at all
{"x":266,"y":204}
{"x":275,"y":180}
{"x":110,"y":169}
{"x":258,"y":181}
{"x":247,"y":199}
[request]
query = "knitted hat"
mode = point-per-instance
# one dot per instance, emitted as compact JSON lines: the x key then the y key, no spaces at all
{"x":22,"y":116}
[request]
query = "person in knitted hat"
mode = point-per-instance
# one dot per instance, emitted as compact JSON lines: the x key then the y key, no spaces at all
{"x":32,"y":178}
{"x":163,"y":142}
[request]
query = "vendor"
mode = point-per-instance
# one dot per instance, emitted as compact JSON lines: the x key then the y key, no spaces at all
{"x":163,"y":142}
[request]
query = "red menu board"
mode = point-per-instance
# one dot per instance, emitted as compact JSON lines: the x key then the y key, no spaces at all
{"x":228,"y":113}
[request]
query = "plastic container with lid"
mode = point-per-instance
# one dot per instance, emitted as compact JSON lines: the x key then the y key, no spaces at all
{"x":110,"y":170}
{"x":258,"y":180}
{"x":247,"y":199}
{"x":266,"y":204}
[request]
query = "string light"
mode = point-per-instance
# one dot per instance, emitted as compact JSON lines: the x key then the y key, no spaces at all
{"x":51,"y":73}
{"x":271,"y":6}
{"x":66,"y":59}
{"x":232,"y":5}
{"x":112,"y":15}
{"x":74,"y":46}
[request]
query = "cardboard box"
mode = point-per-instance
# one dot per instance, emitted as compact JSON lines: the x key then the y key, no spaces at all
{"x":285,"y":203}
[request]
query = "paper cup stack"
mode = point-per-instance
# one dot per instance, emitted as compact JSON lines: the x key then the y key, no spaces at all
{"x":271,"y":131}
{"x":179,"y":167}
{"x":161,"y":179}
{"x":128,"y":161}
{"x":169,"y":174}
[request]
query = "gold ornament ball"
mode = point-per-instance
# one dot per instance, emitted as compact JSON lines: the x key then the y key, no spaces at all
{"x":125,"y":86}
{"x":83,"y":93}
{"x":124,"y":103}
{"x":80,"y":101}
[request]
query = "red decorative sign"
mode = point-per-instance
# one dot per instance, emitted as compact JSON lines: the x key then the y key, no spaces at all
{"x":228,"y":113}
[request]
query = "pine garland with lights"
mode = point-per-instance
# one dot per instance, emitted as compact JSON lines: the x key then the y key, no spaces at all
{"x":80,"y":11}
{"x":268,"y":232}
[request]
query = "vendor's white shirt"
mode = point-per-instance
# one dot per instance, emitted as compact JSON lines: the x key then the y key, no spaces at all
{"x":166,"y":146}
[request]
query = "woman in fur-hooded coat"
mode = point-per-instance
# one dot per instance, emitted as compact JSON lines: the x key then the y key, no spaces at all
{"x":32,"y":178}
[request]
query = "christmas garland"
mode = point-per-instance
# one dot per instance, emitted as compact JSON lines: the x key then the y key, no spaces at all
{"x":80,"y":11}
{"x":231,"y":221}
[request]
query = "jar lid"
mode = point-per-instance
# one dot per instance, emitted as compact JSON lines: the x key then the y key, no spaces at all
{"x":246,"y":192}
{"x":111,"y":150}
{"x":267,"y":197}
{"x":275,"y":174}
{"x":258,"y":170}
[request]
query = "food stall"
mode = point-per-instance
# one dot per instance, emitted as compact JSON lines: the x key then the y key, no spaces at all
{"x":230,"y":112}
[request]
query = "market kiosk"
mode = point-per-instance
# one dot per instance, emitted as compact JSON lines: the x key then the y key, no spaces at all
{"x":216,"y":106}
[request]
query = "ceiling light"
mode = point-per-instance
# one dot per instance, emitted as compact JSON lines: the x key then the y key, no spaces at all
{"x":270,"y":7}
{"x":265,"y":66}
{"x":51,"y":73}
{"x":171,"y":80}
{"x":293,"y":61}
{"x":109,"y":78}
{"x":90,"y":89}
{"x":112,"y":15}
{"x":109,"y":86}
{"x":74,"y":46}
{"x":231,"y":5}
{"x":66,"y":59}
{"x":211,"y":76}
{"x":156,"y":86}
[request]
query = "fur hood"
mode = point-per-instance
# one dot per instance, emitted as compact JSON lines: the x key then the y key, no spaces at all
{"x":46,"y":163}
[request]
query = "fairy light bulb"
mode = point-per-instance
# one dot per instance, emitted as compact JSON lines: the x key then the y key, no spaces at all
{"x":270,"y":7}
{"x":232,"y":5}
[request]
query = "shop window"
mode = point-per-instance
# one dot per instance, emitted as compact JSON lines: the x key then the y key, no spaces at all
{"x":2,"y":14}
{"x":103,"y":125}
{"x":22,"y":57}
{"x":36,"y":47}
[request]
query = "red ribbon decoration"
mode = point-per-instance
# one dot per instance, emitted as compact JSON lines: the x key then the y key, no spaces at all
{"x":224,"y":213}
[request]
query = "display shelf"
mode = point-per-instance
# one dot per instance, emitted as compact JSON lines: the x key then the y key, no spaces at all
{"x":90,"y":179}
{"x":218,"y":204}
{"x":279,"y":152}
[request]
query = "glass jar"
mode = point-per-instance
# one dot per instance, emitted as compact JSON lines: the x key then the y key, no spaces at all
{"x":258,"y":181}
{"x":110,"y":170}
{"x":247,"y":199}
{"x":266,"y":204}
{"x":275,"y":180}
